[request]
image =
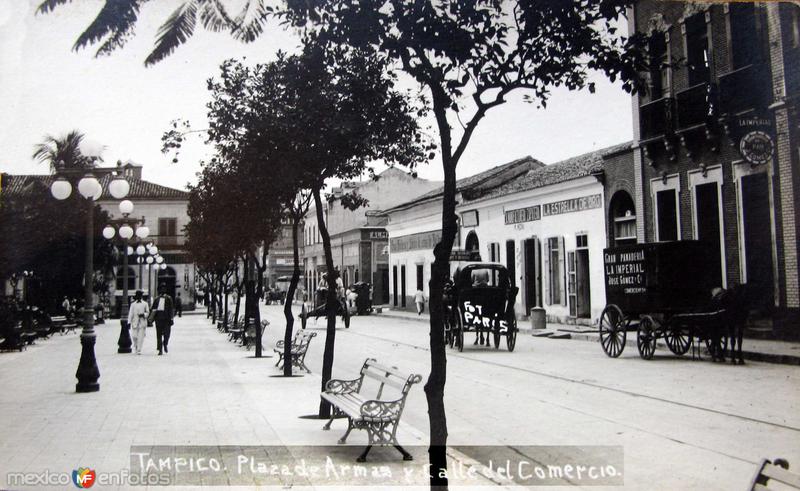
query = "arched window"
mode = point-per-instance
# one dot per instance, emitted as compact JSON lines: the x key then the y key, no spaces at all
{"x":622,"y":215}
{"x":472,"y":244}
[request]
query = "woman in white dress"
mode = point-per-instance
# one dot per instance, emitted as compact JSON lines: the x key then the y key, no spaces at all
{"x":137,"y":320}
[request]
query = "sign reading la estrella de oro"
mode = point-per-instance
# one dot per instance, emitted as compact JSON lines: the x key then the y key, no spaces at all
{"x":572,"y":205}
{"x":756,"y":144}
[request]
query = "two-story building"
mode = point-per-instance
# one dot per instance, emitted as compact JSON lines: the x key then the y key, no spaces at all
{"x":719,"y":140}
{"x":359,"y":240}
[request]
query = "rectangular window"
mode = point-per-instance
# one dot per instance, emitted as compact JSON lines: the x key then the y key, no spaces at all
{"x":420,"y":280}
{"x":659,"y":69}
{"x":667,"y":219}
{"x":571,"y":284}
{"x":745,"y":43}
{"x":167,"y":231}
{"x":697,"y":54}
{"x":555,"y":281}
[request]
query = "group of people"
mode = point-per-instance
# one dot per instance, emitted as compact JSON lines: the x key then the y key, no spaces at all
{"x":161,"y":312}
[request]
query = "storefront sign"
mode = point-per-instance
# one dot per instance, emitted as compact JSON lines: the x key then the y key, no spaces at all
{"x":461,"y":255}
{"x":521,"y":215}
{"x":413,"y":242}
{"x":469,"y":218}
{"x":756,"y":144}
{"x":374,"y":235}
{"x":572,"y":205}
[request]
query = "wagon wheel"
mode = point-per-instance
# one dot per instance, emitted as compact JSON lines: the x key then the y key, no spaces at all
{"x":459,"y":334}
{"x":303,"y":315}
{"x":612,"y":330}
{"x":646,"y":337}
{"x":511,"y":335}
{"x":677,"y":340}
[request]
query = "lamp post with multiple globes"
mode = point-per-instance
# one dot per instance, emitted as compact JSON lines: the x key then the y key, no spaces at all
{"x":90,"y":189}
{"x":127,"y":228}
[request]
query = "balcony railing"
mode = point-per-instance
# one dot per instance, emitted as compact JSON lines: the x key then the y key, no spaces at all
{"x":694,"y":105}
{"x":168,"y":241}
{"x":656,"y":118}
{"x":744,"y":89}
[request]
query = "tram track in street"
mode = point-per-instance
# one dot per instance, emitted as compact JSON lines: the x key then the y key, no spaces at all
{"x":587,"y":384}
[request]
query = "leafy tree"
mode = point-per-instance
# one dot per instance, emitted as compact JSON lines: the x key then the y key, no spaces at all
{"x":41,"y":234}
{"x":262,"y":114}
{"x":469,"y":56}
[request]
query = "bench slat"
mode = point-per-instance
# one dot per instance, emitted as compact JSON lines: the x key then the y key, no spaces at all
{"x":780,"y":474}
{"x":761,"y":487}
{"x":385,"y":380}
{"x":391,"y":370}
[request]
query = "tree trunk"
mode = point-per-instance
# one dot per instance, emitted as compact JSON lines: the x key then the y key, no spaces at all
{"x":259,"y":291}
{"x":434,"y":387}
{"x":238,"y":287}
{"x":287,"y":306}
{"x":331,"y":305}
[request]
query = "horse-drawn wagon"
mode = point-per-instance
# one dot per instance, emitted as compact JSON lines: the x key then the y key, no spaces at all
{"x":480,"y":299}
{"x":667,"y":290}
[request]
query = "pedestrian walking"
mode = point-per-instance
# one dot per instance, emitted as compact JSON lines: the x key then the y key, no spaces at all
{"x":179,"y":306}
{"x":419,"y":299}
{"x":137,"y":320}
{"x":162,"y":313}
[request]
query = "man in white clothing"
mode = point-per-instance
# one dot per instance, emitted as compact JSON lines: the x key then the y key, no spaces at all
{"x":137,"y":320}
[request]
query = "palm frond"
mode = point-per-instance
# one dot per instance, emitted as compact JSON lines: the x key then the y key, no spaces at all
{"x":175,"y":31}
{"x":248,"y":26}
{"x":115,"y":19}
{"x":214,"y":16}
{"x":64,"y":150}
{"x":49,"y":5}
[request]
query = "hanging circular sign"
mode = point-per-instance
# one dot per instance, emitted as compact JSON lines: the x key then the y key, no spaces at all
{"x":756,"y":147}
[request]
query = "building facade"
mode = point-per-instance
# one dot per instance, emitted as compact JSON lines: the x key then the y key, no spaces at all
{"x":163,"y":210}
{"x":718,"y":140}
{"x":359,"y":239}
{"x":546,"y":224}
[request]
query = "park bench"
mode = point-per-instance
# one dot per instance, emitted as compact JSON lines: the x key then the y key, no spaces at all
{"x":777,"y":471}
{"x":298,"y":351}
{"x":367,"y":407}
{"x":236,"y":329}
{"x":221,"y":323}
{"x":249,"y":338}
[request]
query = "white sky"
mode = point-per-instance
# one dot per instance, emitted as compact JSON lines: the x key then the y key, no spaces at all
{"x":46,"y":88}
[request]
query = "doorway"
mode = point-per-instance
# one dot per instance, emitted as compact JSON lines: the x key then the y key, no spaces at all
{"x":578,"y":286}
{"x":533,"y":269}
{"x":403,"y":285}
{"x":168,"y":279}
{"x":757,"y":233}
{"x":706,"y":198}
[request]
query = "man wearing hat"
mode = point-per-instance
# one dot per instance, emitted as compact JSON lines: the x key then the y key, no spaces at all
{"x":163,"y":312}
{"x":137,"y":320}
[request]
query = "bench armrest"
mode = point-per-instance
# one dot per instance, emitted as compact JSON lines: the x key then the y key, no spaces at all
{"x":279,"y":344}
{"x":382,"y":409}
{"x":337,"y":386}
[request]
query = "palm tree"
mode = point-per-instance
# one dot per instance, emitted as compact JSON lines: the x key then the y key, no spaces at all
{"x":114,"y":24}
{"x":65,"y":151}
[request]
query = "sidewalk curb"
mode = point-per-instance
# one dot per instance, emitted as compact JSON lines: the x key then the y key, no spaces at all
{"x":775,"y":358}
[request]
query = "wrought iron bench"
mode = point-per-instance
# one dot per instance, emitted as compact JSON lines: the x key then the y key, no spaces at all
{"x":299,"y":349}
{"x":777,"y":471}
{"x":249,"y":338}
{"x":222,"y":323}
{"x":378,"y":413}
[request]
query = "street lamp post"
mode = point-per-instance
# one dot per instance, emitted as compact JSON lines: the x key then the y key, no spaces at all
{"x":89,"y":187}
{"x":126,"y":232}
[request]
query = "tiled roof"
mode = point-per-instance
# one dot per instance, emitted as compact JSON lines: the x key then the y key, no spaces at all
{"x":483,"y":181}
{"x":566,"y":170}
{"x":140,"y":189}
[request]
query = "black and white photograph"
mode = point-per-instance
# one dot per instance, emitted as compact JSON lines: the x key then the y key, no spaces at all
{"x":399,"y":244}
